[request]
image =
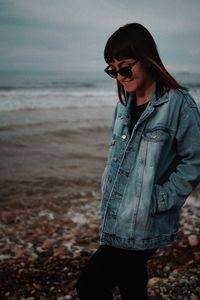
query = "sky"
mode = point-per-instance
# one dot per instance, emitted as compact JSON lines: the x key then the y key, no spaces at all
{"x":65,"y":36}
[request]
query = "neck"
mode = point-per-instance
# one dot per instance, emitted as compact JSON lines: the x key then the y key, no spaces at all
{"x":143,"y":95}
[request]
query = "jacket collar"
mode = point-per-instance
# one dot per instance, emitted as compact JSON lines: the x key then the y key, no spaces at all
{"x":125,"y":110}
{"x":153,"y":100}
{"x":161,"y":100}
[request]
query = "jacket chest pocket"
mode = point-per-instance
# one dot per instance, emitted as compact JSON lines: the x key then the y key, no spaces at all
{"x":154,"y":140}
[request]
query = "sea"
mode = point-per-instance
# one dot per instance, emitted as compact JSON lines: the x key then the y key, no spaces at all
{"x":56,"y":91}
{"x":48,"y":123}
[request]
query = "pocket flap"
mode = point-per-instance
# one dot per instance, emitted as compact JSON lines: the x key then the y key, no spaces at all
{"x":156,"y":135}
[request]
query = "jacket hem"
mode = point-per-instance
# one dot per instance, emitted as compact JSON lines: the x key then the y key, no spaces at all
{"x":137,"y":244}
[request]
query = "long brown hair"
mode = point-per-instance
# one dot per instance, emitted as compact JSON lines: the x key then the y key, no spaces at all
{"x":135,"y":41}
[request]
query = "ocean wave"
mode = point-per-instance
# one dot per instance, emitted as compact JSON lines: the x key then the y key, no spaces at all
{"x":52,"y":99}
{"x":33,"y":99}
{"x":46,"y":83}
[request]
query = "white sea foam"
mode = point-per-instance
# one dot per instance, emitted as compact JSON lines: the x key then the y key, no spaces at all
{"x":53,"y":98}
{"x":21,"y":99}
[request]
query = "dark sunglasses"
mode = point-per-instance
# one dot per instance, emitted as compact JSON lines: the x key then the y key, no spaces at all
{"x":125,"y":72}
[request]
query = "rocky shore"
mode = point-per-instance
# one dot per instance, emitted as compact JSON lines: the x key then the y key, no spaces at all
{"x":47,"y":236}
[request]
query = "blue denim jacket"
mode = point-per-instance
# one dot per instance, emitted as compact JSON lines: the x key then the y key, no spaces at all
{"x":149,"y":175}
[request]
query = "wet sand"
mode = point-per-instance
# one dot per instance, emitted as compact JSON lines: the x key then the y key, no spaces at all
{"x":67,"y":143}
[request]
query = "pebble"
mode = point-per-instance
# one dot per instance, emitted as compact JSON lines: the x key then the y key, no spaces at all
{"x":194,"y":297}
{"x":184,"y":281}
{"x":167,"y":269}
{"x":171,"y":278}
{"x":193,"y":240}
{"x":47,"y":244}
{"x":8,"y":217}
{"x":4,"y":256}
{"x":7,"y":294}
{"x":153,"y":281}
{"x":196,"y":255}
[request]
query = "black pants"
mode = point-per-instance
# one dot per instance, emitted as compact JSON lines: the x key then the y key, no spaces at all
{"x":109,"y":267}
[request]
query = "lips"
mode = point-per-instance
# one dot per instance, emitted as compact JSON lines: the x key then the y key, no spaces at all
{"x":130,"y":80}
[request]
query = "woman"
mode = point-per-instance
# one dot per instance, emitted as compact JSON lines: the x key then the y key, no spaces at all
{"x":153,"y":165}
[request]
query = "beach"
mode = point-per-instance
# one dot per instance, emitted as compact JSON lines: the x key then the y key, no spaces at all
{"x":51,"y":162}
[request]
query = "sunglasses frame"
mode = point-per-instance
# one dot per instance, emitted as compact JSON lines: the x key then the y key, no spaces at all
{"x":128,"y":72}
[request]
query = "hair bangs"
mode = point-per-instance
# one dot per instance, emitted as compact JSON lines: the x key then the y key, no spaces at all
{"x":118,"y":48}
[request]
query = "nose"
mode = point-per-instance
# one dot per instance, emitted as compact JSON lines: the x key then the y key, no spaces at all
{"x":119,"y":77}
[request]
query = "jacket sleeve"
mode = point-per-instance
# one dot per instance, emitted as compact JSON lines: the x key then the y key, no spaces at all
{"x":173,"y":193}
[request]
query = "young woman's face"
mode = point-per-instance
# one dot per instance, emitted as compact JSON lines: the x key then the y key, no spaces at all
{"x":140,"y":75}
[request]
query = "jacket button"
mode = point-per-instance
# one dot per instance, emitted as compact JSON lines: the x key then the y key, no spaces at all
{"x":110,"y":179}
{"x":124,"y":136}
{"x":115,"y":158}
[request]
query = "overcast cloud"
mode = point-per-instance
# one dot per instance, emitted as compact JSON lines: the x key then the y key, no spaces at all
{"x":66,"y":36}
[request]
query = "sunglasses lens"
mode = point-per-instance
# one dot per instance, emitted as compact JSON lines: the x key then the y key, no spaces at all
{"x":111,"y":73}
{"x":126,"y":72}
